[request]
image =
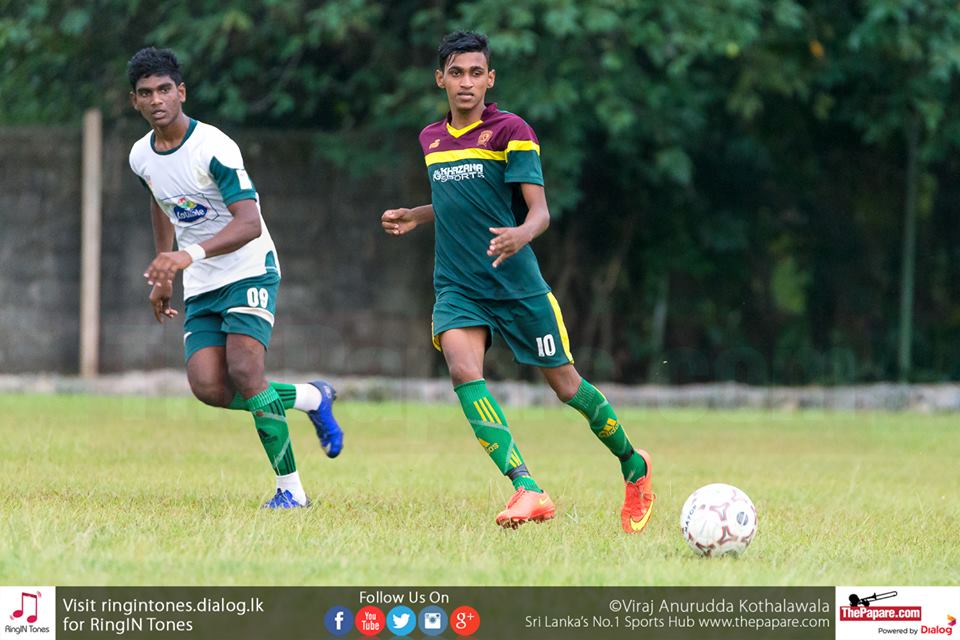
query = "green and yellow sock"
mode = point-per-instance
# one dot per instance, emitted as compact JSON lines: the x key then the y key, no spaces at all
{"x":606,"y":426}
{"x":492,"y":431}
{"x":271,"y":421}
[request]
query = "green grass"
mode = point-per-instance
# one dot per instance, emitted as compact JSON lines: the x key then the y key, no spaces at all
{"x":131,"y":491}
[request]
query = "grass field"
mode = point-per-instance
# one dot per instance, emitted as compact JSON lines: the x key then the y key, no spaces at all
{"x":135,"y":491}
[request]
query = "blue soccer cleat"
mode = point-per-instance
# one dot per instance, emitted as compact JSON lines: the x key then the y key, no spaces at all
{"x":329,"y":432}
{"x":284,"y":500}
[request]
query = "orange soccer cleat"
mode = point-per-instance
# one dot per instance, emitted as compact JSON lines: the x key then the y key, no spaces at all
{"x":638,"y":502}
{"x":524,"y":506}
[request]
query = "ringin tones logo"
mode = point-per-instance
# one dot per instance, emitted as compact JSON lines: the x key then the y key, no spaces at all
{"x":27,"y":614}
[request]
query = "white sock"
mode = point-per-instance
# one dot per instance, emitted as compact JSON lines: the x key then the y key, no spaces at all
{"x":308,"y":397}
{"x":291,"y":483}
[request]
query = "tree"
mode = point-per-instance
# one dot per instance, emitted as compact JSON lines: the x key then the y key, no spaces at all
{"x":905,"y":58}
{"x":726,"y":178}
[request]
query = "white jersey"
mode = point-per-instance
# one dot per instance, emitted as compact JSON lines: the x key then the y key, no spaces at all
{"x":193,"y":184}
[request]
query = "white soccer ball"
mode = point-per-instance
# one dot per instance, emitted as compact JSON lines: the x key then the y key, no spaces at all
{"x":717,"y":520}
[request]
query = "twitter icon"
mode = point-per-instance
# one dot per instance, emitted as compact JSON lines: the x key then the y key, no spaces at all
{"x":401,"y":620}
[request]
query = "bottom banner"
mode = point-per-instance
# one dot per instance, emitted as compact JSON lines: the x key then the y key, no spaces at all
{"x":421,"y":612}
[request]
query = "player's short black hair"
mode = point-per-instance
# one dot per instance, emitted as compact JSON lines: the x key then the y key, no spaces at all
{"x":151,"y":61}
{"x":462,"y":42}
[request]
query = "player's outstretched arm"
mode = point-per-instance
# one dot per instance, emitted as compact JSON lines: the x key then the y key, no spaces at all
{"x":397,"y":222}
{"x":507,"y":241}
{"x":244,"y":227}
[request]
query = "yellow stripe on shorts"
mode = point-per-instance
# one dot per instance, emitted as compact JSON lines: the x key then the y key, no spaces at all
{"x":562,"y":328}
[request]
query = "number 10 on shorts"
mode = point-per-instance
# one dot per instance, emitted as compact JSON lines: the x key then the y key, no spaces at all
{"x":546,"y":346}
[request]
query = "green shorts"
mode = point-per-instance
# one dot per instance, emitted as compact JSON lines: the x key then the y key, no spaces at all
{"x":246,"y":307}
{"x":532,"y":327}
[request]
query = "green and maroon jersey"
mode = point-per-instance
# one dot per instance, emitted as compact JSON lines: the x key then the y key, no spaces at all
{"x":475,"y":175}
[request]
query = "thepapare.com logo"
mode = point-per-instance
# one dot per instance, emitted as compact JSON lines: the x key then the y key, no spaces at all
{"x":863,"y":609}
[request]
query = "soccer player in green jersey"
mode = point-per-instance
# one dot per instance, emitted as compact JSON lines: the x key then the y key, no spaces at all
{"x":488,"y":204}
{"x":201,"y":193}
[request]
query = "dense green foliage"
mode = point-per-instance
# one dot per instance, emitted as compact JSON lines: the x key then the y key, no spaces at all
{"x":738,"y":184}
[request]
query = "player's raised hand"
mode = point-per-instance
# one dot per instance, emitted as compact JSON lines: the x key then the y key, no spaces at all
{"x":397,"y":222}
{"x":507,"y":241}
{"x":160,"y":301}
{"x":164,"y":267}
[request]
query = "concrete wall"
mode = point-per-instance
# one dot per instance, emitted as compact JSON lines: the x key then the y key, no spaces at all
{"x":39,"y":249}
{"x":352,"y":301}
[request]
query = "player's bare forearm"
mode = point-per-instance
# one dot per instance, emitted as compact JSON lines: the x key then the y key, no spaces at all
{"x":397,"y":222}
{"x":507,"y":241}
{"x":538,"y":214}
{"x":423,"y":214}
{"x":244,"y":227}
{"x":163,"y":234}
{"x":162,"y":228}
{"x":538,"y":220}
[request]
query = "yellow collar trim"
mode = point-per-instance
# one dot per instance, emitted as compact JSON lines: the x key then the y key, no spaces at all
{"x":456,"y":133}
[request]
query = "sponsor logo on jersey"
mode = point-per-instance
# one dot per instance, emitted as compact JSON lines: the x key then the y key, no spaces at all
{"x":459,"y":172}
{"x":187,"y":210}
{"x":434,"y":144}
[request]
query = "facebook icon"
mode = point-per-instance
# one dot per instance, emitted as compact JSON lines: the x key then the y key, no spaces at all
{"x":339,"y":620}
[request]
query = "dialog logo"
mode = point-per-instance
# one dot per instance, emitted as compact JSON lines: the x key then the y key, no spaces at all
{"x":432,"y":620}
{"x":338,"y":621}
{"x":939,"y":630}
{"x":401,"y":620}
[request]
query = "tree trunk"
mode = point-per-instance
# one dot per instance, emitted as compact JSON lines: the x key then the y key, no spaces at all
{"x":907,"y":274}
{"x":658,"y":330}
{"x":598,"y":331}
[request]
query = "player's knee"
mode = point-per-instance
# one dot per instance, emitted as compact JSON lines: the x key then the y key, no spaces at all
{"x":565,"y":390}
{"x":461,"y":372}
{"x":245,"y":375}
{"x":209,"y":393}
{"x":565,"y":386}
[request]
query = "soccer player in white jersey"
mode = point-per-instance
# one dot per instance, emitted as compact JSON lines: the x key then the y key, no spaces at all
{"x":201,"y":193}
